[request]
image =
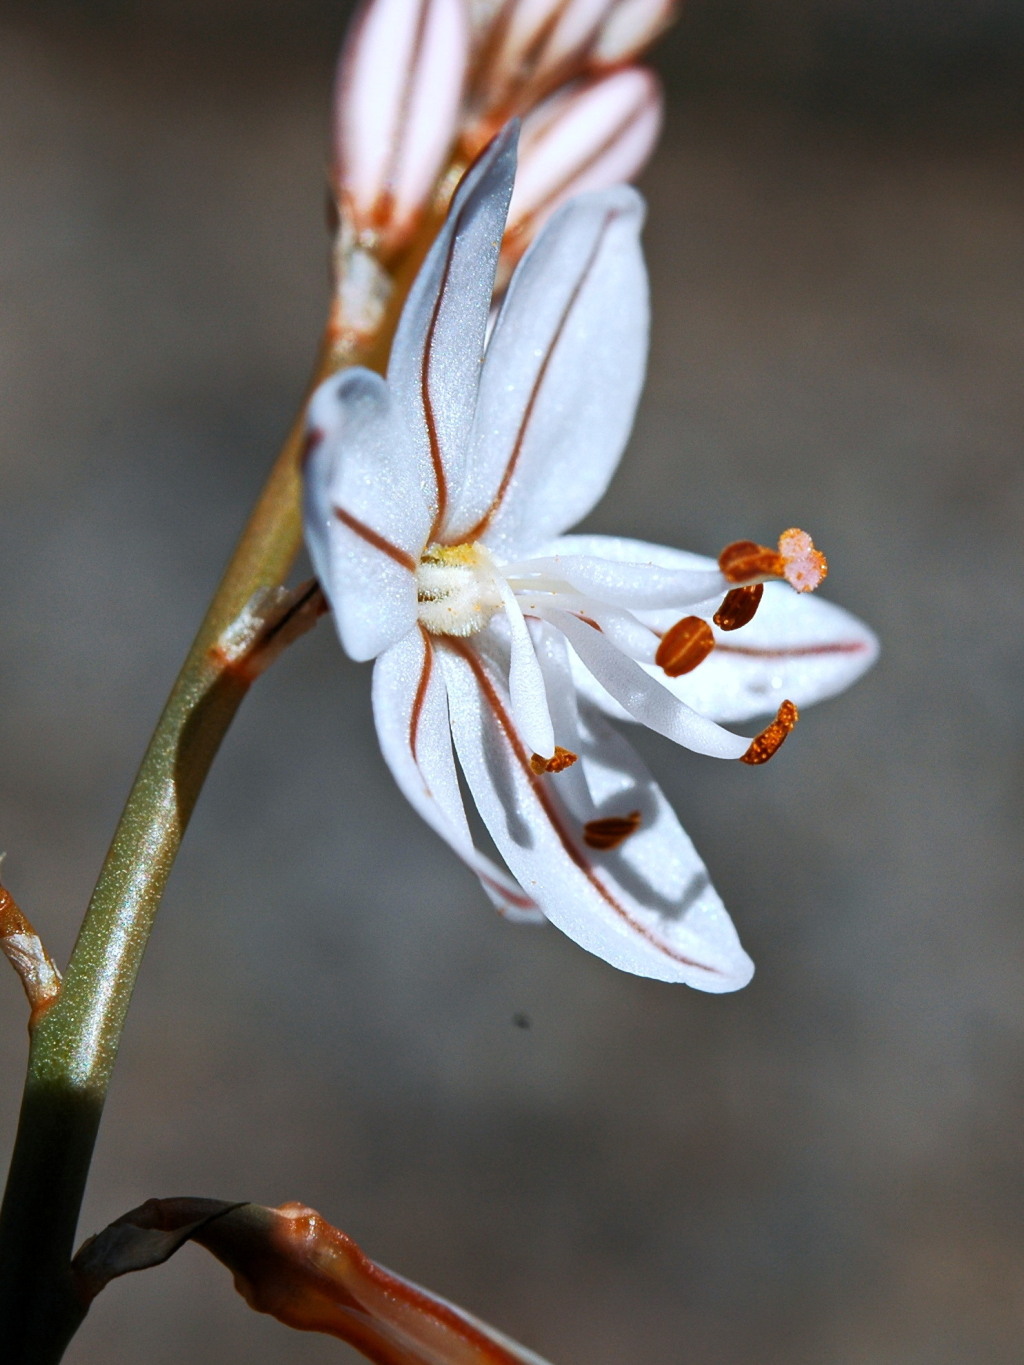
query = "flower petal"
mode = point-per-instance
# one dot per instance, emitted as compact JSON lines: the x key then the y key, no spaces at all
{"x":365,"y":517}
{"x":410,"y":710}
{"x":562,"y":376}
{"x":646,"y":905}
{"x":435,"y":358}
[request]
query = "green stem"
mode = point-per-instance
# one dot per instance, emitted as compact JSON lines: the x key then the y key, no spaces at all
{"x":75,"y":1043}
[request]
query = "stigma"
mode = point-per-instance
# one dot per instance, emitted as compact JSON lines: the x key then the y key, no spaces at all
{"x":457,"y":589}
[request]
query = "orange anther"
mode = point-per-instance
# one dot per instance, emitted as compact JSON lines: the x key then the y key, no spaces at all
{"x":610,"y":832}
{"x":805,"y":567}
{"x":684,"y":646}
{"x":738,"y":607}
{"x":745,"y":559}
{"x":561,"y":759}
{"x":772,"y":736}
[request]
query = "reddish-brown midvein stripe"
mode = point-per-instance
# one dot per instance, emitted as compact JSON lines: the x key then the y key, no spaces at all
{"x":495,"y":36}
{"x":428,"y":407}
{"x":543,"y":794}
{"x":377,"y":541}
{"x":533,"y":54}
{"x":421,"y":692}
{"x":794,"y":652}
{"x":506,"y":478}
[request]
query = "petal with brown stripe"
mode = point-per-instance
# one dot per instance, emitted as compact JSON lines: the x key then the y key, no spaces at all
{"x":646,"y":906}
{"x":366,"y":519}
{"x":410,"y":711}
{"x":434,"y":367}
{"x":561,"y":379}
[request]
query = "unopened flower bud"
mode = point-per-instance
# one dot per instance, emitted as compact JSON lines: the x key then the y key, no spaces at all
{"x":532,"y":47}
{"x":396,"y":101}
{"x":631,"y":26}
{"x":594,"y":135}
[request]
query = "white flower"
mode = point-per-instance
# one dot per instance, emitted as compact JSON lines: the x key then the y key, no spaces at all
{"x":435,"y":508}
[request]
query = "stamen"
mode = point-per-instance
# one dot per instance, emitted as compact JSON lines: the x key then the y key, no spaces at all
{"x":746,"y":559}
{"x":738,"y":607}
{"x":684,"y":646}
{"x":562,"y":759}
{"x":610,"y":832}
{"x":796,"y":560}
{"x":771,"y":738}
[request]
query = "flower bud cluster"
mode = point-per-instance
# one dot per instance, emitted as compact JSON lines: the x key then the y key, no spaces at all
{"x":423,"y":85}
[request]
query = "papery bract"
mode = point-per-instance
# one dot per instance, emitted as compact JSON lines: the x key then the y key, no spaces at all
{"x":436,"y":507}
{"x":291,"y":1263}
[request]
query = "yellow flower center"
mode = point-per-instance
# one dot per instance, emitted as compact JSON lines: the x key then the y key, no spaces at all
{"x":457,"y":589}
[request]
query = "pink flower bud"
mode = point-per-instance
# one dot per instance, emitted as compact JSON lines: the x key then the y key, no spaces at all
{"x":396,"y":102}
{"x":534,"y":46}
{"x":593,"y":135}
{"x":631,"y":26}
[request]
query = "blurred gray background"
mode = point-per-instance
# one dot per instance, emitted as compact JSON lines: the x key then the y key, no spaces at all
{"x":827,"y":1167}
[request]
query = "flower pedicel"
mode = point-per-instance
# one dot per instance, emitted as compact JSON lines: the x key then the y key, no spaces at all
{"x":436,"y":507}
